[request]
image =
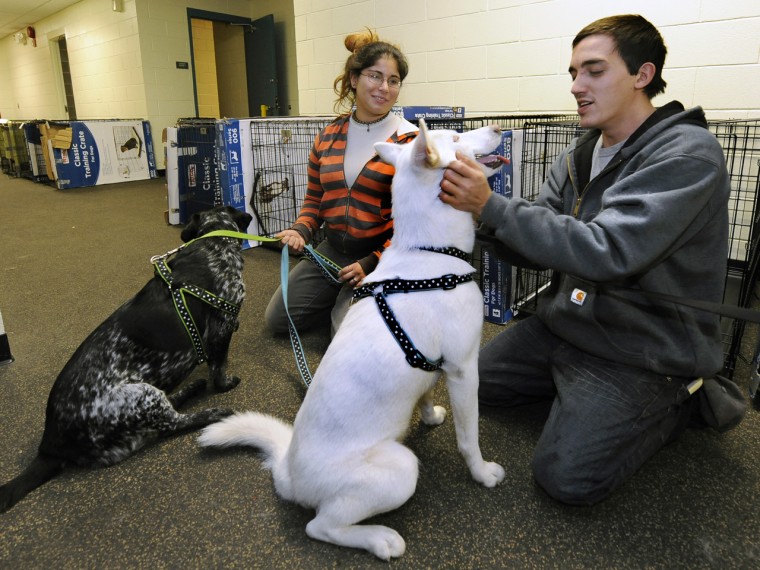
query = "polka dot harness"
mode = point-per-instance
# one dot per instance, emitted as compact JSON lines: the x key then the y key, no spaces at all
{"x":446,"y":282}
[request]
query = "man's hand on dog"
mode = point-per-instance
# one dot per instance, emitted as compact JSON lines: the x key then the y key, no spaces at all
{"x":464,"y":186}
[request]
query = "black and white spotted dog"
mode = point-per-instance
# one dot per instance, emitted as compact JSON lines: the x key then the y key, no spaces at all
{"x":111,"y":397}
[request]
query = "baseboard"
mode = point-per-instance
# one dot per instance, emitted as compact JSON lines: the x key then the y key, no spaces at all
{"x":5,"y":350}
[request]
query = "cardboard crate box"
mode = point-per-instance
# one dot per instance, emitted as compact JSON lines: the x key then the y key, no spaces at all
{"x":497,"y":276}
{"x":89,"y":153}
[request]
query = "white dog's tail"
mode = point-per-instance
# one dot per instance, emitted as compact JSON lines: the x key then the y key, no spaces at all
{"x":266,"y":433}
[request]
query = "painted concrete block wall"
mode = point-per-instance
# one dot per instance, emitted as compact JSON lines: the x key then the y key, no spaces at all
{"x":492,"y":56}
{"x":165,"y":40}
{"x":105,"y":58}
{"x":501,"y":56}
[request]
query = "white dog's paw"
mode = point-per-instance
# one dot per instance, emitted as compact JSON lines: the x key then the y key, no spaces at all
{"x":489,"y":475}
{"x":386,"y":543}
{"x":433,"y":415}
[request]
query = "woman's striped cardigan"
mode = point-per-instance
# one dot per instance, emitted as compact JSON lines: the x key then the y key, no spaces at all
{"x":357,"y":219}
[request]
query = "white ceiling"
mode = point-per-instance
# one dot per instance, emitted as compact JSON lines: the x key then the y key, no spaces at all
{"x":16,"y":15}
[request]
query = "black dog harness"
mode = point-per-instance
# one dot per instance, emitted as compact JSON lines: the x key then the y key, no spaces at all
{"x":178,"y":291}
{"x":447,"y":282}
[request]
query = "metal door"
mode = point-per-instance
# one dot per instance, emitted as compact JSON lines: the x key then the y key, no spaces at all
{"x":261,"y":68}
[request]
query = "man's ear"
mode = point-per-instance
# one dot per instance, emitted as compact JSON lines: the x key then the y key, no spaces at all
{"x":645,"y":75}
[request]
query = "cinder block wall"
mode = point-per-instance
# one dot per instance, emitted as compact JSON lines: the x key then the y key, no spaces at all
{"x":491,"y":56}
{"x":494,"y":56}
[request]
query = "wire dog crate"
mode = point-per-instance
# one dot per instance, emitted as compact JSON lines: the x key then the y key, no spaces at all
{"x":37,"y":161}
{"x":281,"y":149}
{"x":740,"y":140}
{"x":14,"y":154}
{"x":542,"y":143}
{"x":741,"y":144}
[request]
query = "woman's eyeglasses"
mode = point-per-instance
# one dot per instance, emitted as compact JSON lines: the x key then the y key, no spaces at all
{"x":378,"y":79}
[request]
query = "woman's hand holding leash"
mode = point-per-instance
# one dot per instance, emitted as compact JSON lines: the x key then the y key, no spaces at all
{"x":464,"y":186}
{"x":292,"y":239}
{"x":352,"y":274}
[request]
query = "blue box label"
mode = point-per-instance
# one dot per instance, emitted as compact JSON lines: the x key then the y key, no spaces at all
{"x":423,"y":112}
{"x":496,"y":275}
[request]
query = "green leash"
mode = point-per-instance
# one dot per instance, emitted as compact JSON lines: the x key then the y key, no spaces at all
{"x":329,"y":268}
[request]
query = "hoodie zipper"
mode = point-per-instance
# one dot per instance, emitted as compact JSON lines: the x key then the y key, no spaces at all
{"x":577,"y":194}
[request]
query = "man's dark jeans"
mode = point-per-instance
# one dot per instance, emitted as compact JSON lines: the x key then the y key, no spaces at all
{"x":607,"y":418}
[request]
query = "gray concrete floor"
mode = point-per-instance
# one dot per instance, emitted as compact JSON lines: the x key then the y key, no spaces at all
{"x":69,"y":258}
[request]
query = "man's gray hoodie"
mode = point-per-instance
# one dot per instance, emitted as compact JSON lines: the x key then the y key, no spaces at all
{"x":655,"y":219}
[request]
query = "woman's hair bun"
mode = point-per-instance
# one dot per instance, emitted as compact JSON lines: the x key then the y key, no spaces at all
{"x":354,"y":42}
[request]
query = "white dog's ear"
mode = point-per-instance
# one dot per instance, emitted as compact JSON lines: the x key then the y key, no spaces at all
{"x":424,"y":148}
{"x":389,"y":152}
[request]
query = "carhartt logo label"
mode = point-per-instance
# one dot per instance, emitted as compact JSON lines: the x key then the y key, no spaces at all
{"x":578,"y":297}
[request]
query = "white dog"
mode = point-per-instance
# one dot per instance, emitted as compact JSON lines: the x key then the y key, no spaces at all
{"x":342,"y":456}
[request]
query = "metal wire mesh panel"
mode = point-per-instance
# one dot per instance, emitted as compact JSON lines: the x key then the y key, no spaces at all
{"x":14,"y":154}
{"x":542,"y":143}
{"x":477,"y":259}
{"x":281,"y":149}
{"x":5,"y":157}
{"x":37,"y":161}
{"x":741,"y":144}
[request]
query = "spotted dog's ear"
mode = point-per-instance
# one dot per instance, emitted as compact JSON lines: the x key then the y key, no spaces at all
{"x":191,"y":229}
{"x":241,"y":219}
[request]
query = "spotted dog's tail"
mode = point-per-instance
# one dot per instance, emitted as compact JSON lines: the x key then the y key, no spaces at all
{"x":266,"y":433}
{"x":41,"y":470}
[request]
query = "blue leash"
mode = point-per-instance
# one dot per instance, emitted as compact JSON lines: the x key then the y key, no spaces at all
{"x":330,"y":270}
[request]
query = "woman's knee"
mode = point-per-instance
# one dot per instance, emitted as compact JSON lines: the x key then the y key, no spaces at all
{"x":275,"y":318}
